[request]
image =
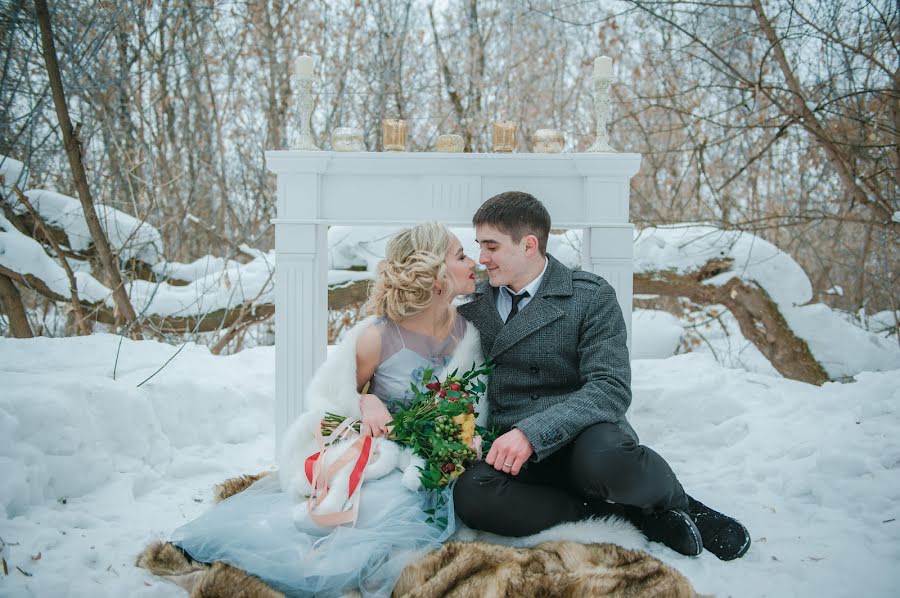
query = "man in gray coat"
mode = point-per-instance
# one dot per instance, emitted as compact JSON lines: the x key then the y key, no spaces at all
{"x":559,"y":394}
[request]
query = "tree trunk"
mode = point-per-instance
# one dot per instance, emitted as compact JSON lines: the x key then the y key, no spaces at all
{"x":15,"y":311}
{"x":73,"y":150}
{"x":757,"y":315}
{"x":80,"y":320}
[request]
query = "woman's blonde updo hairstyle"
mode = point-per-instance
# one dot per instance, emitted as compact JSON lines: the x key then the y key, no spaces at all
{"x":415,"y":259}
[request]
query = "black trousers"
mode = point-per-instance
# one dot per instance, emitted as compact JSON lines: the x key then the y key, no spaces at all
{"x":576,"y":482}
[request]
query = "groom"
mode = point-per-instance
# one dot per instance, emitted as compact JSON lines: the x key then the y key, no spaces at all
{"x":559,"y":394}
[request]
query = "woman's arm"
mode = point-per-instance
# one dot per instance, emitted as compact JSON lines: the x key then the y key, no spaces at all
{"x":375,"y":415}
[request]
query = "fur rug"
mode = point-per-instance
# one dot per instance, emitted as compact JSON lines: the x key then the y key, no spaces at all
{"x":563,"y":561}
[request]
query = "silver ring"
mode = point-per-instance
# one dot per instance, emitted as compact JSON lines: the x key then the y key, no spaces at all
{"x":507,"y":465}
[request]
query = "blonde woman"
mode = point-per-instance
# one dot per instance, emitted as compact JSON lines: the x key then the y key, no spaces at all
{"x":413,"y":325}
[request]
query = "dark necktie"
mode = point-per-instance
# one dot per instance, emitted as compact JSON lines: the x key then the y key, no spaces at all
{"x":515,"y":305}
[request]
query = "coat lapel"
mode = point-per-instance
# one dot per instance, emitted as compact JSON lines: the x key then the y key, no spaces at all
{"x":539,"y":312}
{"x":482,"y":311}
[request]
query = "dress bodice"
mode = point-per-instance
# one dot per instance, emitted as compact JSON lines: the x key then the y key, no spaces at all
{"x":405,"y":355}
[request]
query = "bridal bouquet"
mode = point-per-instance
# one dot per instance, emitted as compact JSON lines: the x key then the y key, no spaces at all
{"x":439,"y":424}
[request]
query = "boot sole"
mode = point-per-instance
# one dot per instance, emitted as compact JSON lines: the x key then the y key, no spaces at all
{"x":741,"y":551}
{"x":697,"y":547}
{"x":698,"y":540}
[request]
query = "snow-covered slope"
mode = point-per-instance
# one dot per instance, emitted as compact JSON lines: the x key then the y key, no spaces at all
{"x":94,"y":468}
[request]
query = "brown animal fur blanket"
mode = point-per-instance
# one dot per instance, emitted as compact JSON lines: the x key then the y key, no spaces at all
{"x":457,"y":570}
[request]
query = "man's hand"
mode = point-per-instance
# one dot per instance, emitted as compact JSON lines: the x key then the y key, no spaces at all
{"x":509,"y":452}
{"x":375,"y":417}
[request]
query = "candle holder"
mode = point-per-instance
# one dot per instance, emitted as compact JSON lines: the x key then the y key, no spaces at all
{"x":347,"y":139}
{"x":504,"y":136}
{"x":601,"y":113}
{"x":453,"y":144}
{"x":305,"y":104}
{"x":547,"y":141}
{"x":393,"y":135}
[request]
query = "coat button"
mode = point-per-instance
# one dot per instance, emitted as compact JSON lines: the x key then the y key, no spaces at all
{"x":535,"y":369}
{"x":535,"y":396}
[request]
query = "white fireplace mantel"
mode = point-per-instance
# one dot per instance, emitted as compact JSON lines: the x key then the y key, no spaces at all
{"x":588,"y":191}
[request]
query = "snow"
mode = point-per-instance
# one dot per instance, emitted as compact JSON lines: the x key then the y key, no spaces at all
{"x":12,"y":172}
{"x":219,"y":289}
{"x":95,"y":467}
{"x":655,"y":334}
{"x":203,"y":266}
{"x":23,"y":254}
{"x":338,"y":278}
{"x":685,"y":248}
{"x":842,"y":348}
{"x":128,"y":236}
{"x":716,"y":332}
{"x":883,"y":321}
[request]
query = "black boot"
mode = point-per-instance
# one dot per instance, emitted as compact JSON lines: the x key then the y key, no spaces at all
{"x":674,"y":528}
{"x":723,"y":536}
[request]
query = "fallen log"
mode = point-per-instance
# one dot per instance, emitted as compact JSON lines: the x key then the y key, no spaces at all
{"x":759,"y":318}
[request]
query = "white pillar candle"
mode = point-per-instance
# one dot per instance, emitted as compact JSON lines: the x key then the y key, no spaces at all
{"x":603,"y":67}
{"x":305,"y":66}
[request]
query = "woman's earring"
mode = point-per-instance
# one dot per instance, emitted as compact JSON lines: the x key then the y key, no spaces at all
{"x":440,"y":291}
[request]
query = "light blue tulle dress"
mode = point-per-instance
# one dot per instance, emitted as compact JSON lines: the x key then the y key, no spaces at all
{"x":256,"y":531}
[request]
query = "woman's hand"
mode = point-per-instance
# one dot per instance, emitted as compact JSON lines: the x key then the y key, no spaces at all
{"x":375,"y":416}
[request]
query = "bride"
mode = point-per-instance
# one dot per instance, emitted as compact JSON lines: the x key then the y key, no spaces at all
{"x":413,"y":326}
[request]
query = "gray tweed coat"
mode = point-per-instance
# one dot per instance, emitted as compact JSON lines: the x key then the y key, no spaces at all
{"x":561,"y":364}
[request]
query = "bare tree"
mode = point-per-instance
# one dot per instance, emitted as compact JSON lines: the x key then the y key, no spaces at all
{"x":73,"y":150}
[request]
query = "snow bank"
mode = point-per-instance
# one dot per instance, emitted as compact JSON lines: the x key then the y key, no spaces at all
{"x":842,"y":348}
{"x":685,"y":248}
{"x":68,"y":427}
{"x":655,"y":334}
{"x":203,"y":266}
{"x":812,"y":471}
{"x":12,"y":172}
{"x":128,"y":236}
{"x":23,"y":254}
{"x":219,"y":289}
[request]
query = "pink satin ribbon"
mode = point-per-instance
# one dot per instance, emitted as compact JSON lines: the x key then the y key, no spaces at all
{"x":360,"y":450}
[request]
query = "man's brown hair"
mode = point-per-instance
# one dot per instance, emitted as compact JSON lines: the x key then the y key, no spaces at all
{"x":516,"y":214}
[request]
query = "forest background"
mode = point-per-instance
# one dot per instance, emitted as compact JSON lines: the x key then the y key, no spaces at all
{"x":781,"y":118}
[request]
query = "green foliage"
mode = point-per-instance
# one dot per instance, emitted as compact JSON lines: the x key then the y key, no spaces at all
{"x":428,"y":426}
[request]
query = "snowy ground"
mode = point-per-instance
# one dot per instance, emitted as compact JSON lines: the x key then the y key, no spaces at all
{"x":94,"y":468}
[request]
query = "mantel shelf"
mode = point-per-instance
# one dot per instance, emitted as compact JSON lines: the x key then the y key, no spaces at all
{"x":385,"y":163}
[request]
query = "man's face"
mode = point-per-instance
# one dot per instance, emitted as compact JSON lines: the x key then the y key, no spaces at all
{"x":506,"y":261}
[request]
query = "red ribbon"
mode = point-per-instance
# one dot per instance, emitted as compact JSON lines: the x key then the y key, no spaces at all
{"x":360,"y":464}
{"x":310,"y":463}
{"x":355,"y":475}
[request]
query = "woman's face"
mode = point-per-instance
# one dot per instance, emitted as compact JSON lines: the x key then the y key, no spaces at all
{"x":460,"y":268}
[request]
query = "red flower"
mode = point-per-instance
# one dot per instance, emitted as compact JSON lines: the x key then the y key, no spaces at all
{"x":443,"y":393}
{"x":454,"y":386}
{"x":448,"y":467}
{"x":433,"y":386}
